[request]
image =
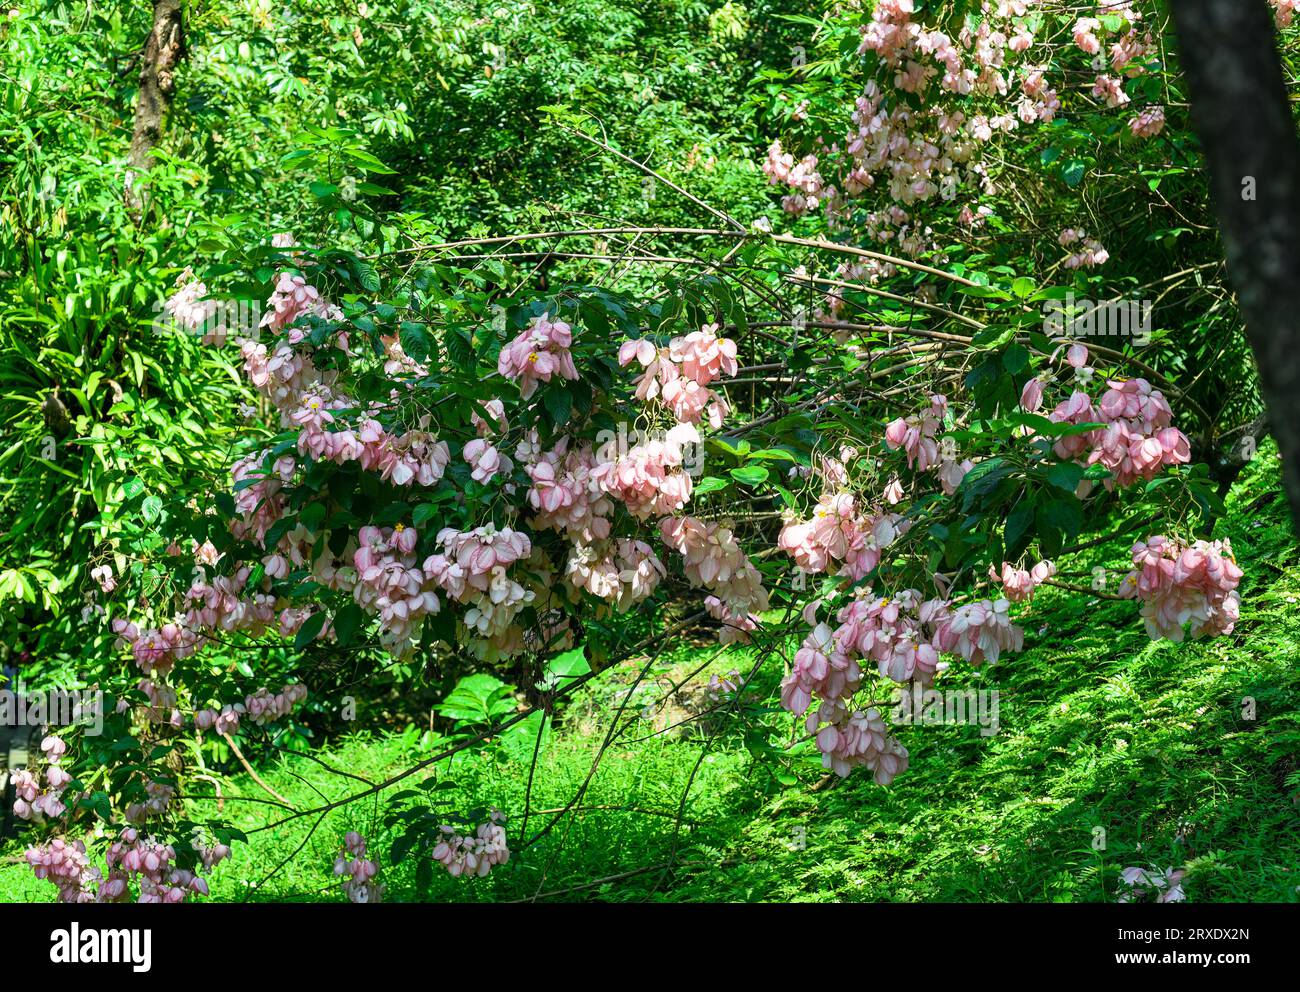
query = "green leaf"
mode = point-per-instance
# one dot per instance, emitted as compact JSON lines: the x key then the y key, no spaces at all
{"x":750,"y":475}
{"x":424,"y":513}
{"x":347,"y":622}
{"x":710,"y":484}
{"x":1064,"y":475}
{"x":309,"y":629}
{"x":558,"y":404}
{"x":311,"y":516}
{"x":415,"y":341}
{"x":569,"y":665}
{"x":775,"y":454}
{"x":476,"y":699}
{"x":460,"y":351}
{"x":1018,"y":521}
{"x":1015,"y":359}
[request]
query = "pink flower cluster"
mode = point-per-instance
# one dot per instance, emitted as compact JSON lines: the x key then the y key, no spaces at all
{"x":980,"y":632}
{"x":134,"y":857}
{"x":158,"y":799}
{"x":862,"y":739}
{"x":623,"y":571}
{"x":472,"y":569}
{"x":907,"y":139}
{"x":360,"y":870}
{"x":930,"y":152}
{"x":162,"y":708}
{"x":496,"y":410}
{"x":292,"y":298}
{"x":712,"y":558}
{"x":1182,"y":584}
{"x":1090,"y":253}
{"x":1166,"y":886}
{"x":103,"y":577}
{"x":226,"y":603}
{"x":192,"y":312}
{"x":156,"y":650}
{"x":1148,"y":123}
{"x":262,"y":707}
{"x":485,"y":461}
{"x":416,"y":457}
{"x":735,"y":628}
{"x":537,"y":354}
{"x":802,"y":177}
{"x":915,"y":435}
{"x":1018,"y":584}
{"x":1110,"y":91}
{"x":566,"y":494}
{"x":130,"y":858}
{"x":649,"y":479}
{"x":67,"y":867}
{"x":390,"y":585}
{"x":898,"y":636}
{"x":840,"y":534}
{"x":211,"y":855}
{"x":902,"y":637}
{"x":827,"y":667}
{"x":306,"y":399}
{"x":1138,"y":439}
{"x":475,"y":854}
{"x":34,"y":801}
{"x":679,"y":375}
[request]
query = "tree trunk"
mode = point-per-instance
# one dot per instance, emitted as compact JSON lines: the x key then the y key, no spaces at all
{"x":1242,"y":114}
{"x":162,"y":54}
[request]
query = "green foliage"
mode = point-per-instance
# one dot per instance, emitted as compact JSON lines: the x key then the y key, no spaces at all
{"x":103,"y":407}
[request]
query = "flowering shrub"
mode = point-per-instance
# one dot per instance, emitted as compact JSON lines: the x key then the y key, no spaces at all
{"x":433,"y":474}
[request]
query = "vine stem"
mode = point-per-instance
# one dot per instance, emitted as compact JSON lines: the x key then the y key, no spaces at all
{"x":252,"y":773}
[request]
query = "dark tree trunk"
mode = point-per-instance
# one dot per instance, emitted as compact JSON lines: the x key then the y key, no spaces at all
{"x":1242,"y":114}
{"x":162,"y":53}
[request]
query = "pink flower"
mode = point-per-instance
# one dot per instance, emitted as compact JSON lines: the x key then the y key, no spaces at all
{"x":485,"y":460}
{"x":496,"y":410}
{"x":537,"y":354}
{"x":704,"y":356}
{"x":980,"y":632}
{"x":1019,"y":585}
{"x":1166,"y":886}
{"x":735,"y":628}
{"x":1111,"y":90}
{"x":474,"y":854}
{"x":1031,"y":397}
{"x":1148,"y":123}
{"x":1181,"y":585}
{"x":1084,"y":35}
{"x":103,"y":575}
